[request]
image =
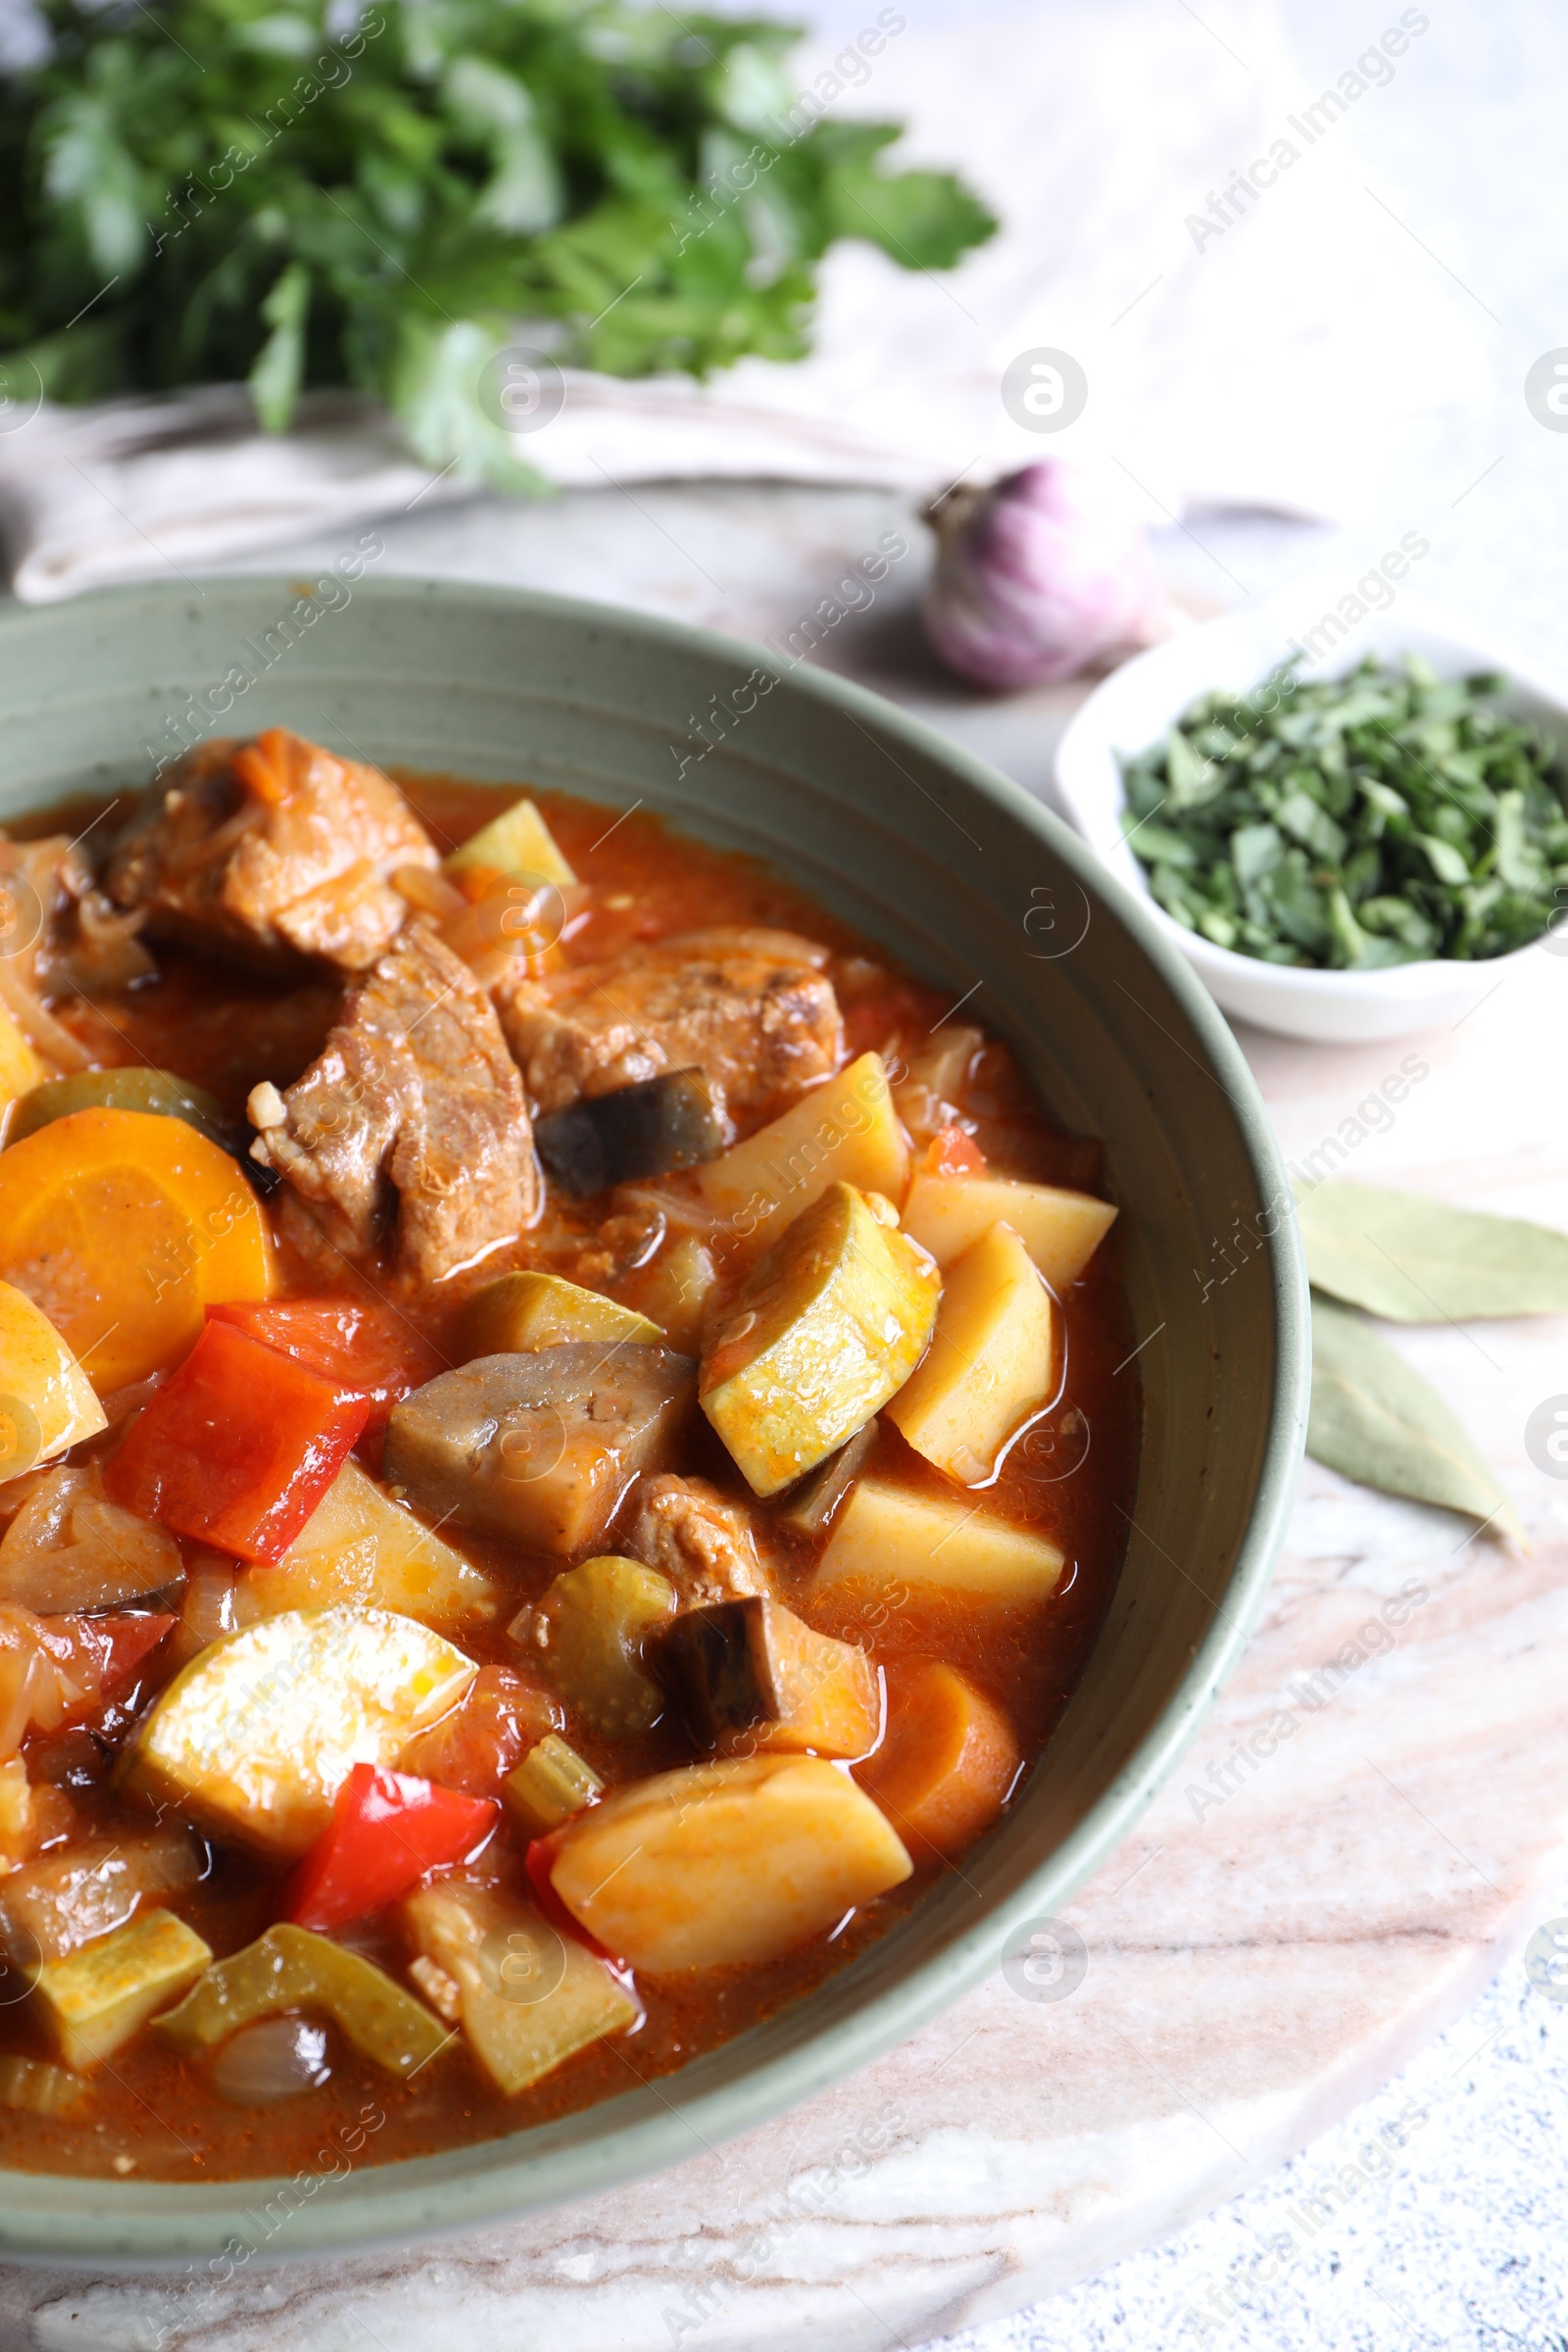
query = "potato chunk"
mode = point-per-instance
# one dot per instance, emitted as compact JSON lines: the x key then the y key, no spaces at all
{"x":359,"y":1546}
{"x":1060,"y":1230}
{"x":530,"y":1998}
{"x":259,"y":1733}
{"x":97,"y":1997}
{"x":887,"y":1535}
{"x":751,"y":1675}
{"x":516,"y":841}
{"x":540,"y":1447}
{"x":739,"y":1860}
{"x":519,"y":1313}
{"x":47,"y":1402}
{"x":844,"y":1132}
{"x":825,"y":1329}
{"x":992,"y":1359}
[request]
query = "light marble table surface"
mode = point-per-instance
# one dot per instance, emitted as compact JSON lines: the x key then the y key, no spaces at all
{"x":1255,"y":1975}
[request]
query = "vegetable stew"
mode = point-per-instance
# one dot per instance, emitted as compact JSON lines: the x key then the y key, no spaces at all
{"x":546,"y":1400}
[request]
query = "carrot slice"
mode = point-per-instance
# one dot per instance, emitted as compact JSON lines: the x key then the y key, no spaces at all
{"x":121,"y":1226}
{"x":946,"y":1760}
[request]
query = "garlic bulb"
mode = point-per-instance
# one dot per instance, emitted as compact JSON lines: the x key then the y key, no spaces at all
{"x":1038,"y":578}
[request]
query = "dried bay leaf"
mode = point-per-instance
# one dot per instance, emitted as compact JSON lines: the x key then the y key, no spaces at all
{"x":1374,"y":1419}
{"x":1415,"y":1261}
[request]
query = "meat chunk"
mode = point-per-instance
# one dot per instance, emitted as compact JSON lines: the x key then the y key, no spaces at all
{"x":271,"y":850}
{"x":751,"y":1009}
{"x":685,"y":1529}
{"x":410,"y":1125}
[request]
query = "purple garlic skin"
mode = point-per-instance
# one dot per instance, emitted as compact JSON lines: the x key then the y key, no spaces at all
{"x":1038,"y":578}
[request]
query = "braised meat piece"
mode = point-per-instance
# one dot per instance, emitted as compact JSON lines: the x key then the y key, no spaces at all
{"x":411,"y":1126}
{"x":270,"y":852}
{"x":685,"y":1529}
{"x":751,"y":1009}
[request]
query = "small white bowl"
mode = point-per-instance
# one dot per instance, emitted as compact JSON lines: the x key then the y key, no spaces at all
{"x":1133,"y":707}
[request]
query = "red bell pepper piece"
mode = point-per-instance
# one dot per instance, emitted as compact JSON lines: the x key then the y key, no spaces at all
{"x":387,"y":1830}
{"x":238,"y":1448}
{"x":354,"y":1342}
{"x":953,"y":1153}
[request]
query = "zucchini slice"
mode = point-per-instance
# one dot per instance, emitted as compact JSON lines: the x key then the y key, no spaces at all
{"x":257,"y":1734}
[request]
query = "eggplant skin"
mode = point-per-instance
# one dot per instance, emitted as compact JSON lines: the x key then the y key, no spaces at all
{"x":647,"y":1129}
{"x":752,"y":1668}
{"x":541,"y":1445}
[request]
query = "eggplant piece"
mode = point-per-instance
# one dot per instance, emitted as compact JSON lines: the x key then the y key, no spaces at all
{"x":540,"y":1447}
{"x":753,"y":1670}
{"x":810,"y":1509}
{"x":643,"y":1129}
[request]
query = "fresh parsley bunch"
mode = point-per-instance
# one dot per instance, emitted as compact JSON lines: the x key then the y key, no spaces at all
{"x":1378,"y":818}
{"x":206,"y":190}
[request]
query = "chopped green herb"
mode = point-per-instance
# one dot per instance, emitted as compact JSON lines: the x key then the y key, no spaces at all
{"x":1379,"y":818}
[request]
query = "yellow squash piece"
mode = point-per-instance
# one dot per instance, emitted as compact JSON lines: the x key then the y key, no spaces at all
{"x":21,"y":1070}
{"x":257,"y":1735}
{"x":845,"y":1132}
{"x":992,"y":1359}
{"x":360,"y":1548}
{"x":95,"y":1998}
{"x":531,"y":1997}
{"x":888,"y":1536}
{"x":741,"y":1860}
{"x":124,"y":1226}
{"x":1060,"y":1230}
{"x":518,"y":1313}
{"x":516,"y":841}
{"x":47,"y":1402}
{"x":825,"y":1329}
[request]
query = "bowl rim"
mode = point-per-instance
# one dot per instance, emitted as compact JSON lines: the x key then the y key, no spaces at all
{"x":171,"y":2222}
{"x":1091,"y":731}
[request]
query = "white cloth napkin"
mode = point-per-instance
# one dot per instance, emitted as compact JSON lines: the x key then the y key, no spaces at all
{"x":1262,"y":360}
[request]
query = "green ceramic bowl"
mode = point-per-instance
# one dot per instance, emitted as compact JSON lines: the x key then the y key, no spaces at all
{"x":980,"y":891}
